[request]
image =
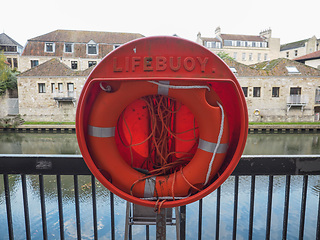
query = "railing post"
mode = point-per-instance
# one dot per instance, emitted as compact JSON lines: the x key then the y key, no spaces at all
{"x":161,"y":224}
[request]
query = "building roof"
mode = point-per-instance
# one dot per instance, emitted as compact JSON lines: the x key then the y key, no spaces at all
{"x":85,"y":36}
{"x":6,"y":40}
{"x":293,"y":45}
{"x":235,"y":37}
{"x":206,"y":39}
{"x":53,"y":68}
{"x":314,"y":55}
{"x":276,"y":67}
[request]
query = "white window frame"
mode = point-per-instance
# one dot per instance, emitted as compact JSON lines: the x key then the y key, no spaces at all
{"x":64,"y":49}
{"x":53,"y":88}
{"x":115,"y":46}
{"x":72,"y":63}
{"x":243,"y":56}
{"x":53,"y":47}
{"x":92,"y":43}
{"x":60,"y":87}
{"x":41,"y":87}
{"x":235,"y":55}
{"x":250,"y":56}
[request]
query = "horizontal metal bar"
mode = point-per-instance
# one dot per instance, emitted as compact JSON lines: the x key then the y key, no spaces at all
{"x":74,"y":164}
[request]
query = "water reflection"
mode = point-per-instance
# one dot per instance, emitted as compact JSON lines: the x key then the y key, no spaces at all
{"x":65,"y":143}
{"x":282,"y":144}
{"x":38,"y":143}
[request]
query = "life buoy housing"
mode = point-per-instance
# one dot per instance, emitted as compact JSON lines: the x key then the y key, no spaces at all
{"x":202,"y":101}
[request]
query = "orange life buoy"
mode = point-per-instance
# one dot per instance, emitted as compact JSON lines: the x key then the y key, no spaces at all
{"x":206,"y":162}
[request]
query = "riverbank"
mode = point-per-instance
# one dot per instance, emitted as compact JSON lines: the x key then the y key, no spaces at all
{"x":253,"y":128}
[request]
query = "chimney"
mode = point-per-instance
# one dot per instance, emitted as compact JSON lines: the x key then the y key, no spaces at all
{"x":218,"y":31}
{"x":266,"y":33}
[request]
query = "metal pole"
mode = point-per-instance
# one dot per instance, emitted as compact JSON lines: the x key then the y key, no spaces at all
{"x":161,"y":224}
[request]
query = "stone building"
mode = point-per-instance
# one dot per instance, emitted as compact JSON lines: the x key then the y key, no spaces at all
{"x":77,"y":49}
{"x":299,"y":48}
{"x":49,"y":92}
{"x":279,"y":90}
{"x":11,"y":50}
{"x":246,"y":49}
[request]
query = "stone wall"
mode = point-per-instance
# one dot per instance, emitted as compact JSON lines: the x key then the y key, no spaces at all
{"x":267,"y":108}
{"x":37,"y":102}
{"x":3,"y":104}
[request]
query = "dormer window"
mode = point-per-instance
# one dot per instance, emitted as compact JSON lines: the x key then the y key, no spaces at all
{"x":68,"y":47}
{"x":92,"y":48}
{"x":49,"y":47}
{"x":233,"y":69}
{"x":115,"y":46}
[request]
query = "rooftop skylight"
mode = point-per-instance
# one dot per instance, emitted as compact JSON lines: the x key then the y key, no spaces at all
{"x":292,"y":69}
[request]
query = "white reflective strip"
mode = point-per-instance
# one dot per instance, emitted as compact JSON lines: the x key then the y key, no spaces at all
{"x":101,"y":132}
{"x":163,"y":90}
{"x":149,"y":187}
{"x":209,"y":146}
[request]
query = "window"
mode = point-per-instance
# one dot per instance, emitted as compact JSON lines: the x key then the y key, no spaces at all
{"x":70,"y":88}
{"x":42,"y":87}
{"x":118,"y":45}
{"x":15,"y":62}
{"x":8,"y":48}
{"x":92,"y":63}
{"x":238,"y":43}
{"x":68,"y":47}
{"x":287,"y":54}
{"x":34,"y":63}
{"x":53,"y":87}
{"x":295,"y":91}
{"x":9,"y":61}
{"x":235,"y":56}
{"x":259,"y":56}
{"x":227,"y":42}
{"x":275,"y":91}
{"x":92,"y":48}
{"x":250,"y":56}
{"x":243,"y":56}
{"x":295,"y":52}
{"x":266,"y":57}
{"x":292,"y":69}
{"x":60,"y":87}
{"x":49,"y":47}
{"x":233,"y":69}
{"x":245,"y":91}
{"x":74,"y":65}
{"x":256,"y":91}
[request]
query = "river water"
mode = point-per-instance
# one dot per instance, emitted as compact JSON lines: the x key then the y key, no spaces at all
{"x":63,"y":143}
{"x":257,"y":144}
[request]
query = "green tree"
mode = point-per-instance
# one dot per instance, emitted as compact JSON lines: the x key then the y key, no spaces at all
{"x":224,"y":55}
{"x":8,"y":77}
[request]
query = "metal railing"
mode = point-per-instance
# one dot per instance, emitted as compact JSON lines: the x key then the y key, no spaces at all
{"x":297,"y":100}
{"x":208,"y":218}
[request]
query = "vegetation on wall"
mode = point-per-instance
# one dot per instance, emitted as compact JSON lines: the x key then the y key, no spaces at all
{"x":8,"y":77}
